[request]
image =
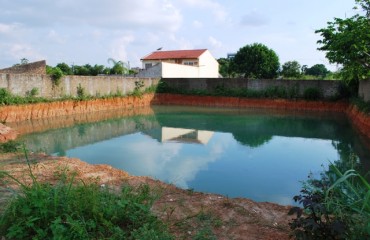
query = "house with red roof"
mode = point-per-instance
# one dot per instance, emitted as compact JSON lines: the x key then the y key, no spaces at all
{"x":198,"y":63}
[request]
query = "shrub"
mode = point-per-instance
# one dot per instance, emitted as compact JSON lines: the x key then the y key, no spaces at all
{"x":312,"y":94}
{"x":337,"y":206}
{"x":81,"y":94}
{"x":56,"y":74}
{"x":33,"y":93}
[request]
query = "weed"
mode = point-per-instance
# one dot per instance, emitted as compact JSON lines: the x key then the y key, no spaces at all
{"x":72,"y":209}
{"x":81,"y":93}
{"x":10,"y":147}
{"x":337,"y":206}
{"x":33,"y":93}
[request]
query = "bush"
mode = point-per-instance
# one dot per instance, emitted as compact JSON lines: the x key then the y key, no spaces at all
{"x":337,"y":206}
{"x":81,"y":94}
{"x":77,"y":210}
{"x":56,"y":74}
{"x":312,"y":94}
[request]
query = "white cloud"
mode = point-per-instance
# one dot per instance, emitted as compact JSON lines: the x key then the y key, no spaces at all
{"x":18,"y":51}
{"x":116,"y":14}
{"x":119,"y":46}
{"x":197,"y":24}
{"x":214,"y":42}
{"x":217,"y":9}
{"x":55,"y":37}
{"x":254,"y":19}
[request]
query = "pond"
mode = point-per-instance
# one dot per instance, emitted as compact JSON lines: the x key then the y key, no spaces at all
{"x":258,"y":154}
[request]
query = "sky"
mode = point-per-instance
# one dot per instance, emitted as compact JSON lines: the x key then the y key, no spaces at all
{"x":80,"y":32}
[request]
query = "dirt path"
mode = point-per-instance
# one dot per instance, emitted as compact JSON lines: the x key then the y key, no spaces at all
{"x":188,"y":213}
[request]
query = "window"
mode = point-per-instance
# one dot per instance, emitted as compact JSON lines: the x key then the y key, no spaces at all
{"x":190,"y":63}
{"x":148,"y":65}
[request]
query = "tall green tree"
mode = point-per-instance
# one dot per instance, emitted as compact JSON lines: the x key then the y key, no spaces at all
{"x":225,"y":67}
{"x":317,"y":70}
{"x":291,"y":69}
{"x":256,"y":61}
{"x":347,"y":42}
{"x":119,"y":67}
{"x":66,"y":69}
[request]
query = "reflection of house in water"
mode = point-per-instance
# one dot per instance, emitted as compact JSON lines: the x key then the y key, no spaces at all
{"x":185,"y":135}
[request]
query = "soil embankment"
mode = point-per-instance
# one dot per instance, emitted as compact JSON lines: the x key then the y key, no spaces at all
{"x":6,"y":133}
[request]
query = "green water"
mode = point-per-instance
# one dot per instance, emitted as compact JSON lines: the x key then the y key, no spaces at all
{"x":259,"y":154}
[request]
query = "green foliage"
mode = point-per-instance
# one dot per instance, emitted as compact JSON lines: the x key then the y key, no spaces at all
{"x":347,"y":42}
{"x":337,"y":206}
{"x":33,"y":93}
{"x":119,"y":67}
{"x":361,"y":105}
{"x":67,"y":70}
{"x":312,"y":94}
{"x":226,"y":68}
{"x":81,"y":93}
{"x":317,"y":70}
{"x":55,"y":73}
{"x":256,"y":61}
{"x":138,"y":90}
{"x":76,"y":210}
{"x":291,"y":69}
{"x":6,"y":98}
{"x":10,"y":147}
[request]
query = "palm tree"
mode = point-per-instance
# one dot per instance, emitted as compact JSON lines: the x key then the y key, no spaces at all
{"x":119,"y":67}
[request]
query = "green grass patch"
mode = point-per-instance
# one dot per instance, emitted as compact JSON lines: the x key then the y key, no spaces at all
{"x":72,"y":209}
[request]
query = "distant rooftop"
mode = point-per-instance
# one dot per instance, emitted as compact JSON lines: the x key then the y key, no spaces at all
{"x":176,"y":54}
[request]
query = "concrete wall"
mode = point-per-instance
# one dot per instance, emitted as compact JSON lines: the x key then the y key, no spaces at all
{"x":30,"y":68}
{"x":328,"y":88}
{"x":20,"y":84}
{"x":364,"y":90}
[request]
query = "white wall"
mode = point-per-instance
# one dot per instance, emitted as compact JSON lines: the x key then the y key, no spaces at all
{"x":172,"y":70}
{"x":208,"y":66}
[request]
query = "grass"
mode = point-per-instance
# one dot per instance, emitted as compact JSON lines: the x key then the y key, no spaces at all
{"x":73,"y":209}
{"x":337,"y":206}
{"x":7,"y":98}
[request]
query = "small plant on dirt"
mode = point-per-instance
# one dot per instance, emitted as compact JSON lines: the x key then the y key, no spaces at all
{"x":337,"y":206}
{"x":73,"y":209}
{"x":81,"y":93}
{"x":138,"y":92}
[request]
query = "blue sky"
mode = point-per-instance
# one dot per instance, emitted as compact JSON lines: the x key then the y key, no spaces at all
{"x":91,"y":31}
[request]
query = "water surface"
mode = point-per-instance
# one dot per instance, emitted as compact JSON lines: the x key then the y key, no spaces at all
{"x":259,"y":154}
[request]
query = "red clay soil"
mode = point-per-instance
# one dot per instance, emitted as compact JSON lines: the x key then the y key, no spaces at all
{"x":17,"y":113}
{"x":6,"y":133}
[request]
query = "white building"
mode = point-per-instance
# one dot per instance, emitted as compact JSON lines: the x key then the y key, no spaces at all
{"x":197,"y":63}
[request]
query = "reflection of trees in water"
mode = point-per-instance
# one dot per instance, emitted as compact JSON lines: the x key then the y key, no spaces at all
{"x":252,"y":140}
{"x":347,"y":157}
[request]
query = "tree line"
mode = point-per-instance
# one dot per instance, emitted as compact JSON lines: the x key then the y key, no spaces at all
{"x":345,"y":42}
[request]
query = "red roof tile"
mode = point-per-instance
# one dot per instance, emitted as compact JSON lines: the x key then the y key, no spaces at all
{"x":177,"y":54}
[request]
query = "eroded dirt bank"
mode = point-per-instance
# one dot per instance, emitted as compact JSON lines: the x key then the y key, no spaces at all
{"x":6,"y":133}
